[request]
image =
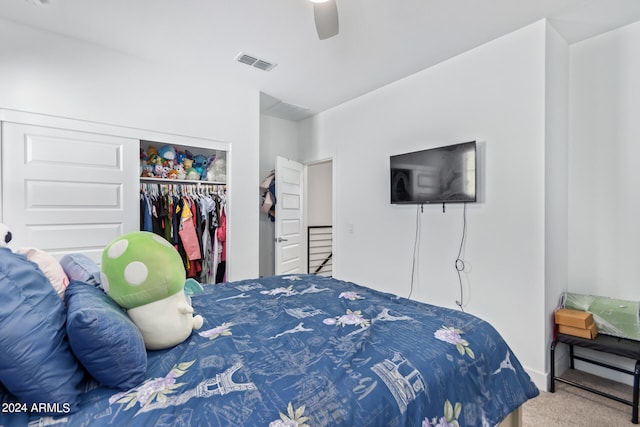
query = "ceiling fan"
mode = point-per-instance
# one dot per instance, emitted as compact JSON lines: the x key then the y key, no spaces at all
{"x":325,"y":13}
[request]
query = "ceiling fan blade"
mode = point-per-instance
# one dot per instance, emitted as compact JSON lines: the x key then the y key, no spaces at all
{"x":326,"y":17}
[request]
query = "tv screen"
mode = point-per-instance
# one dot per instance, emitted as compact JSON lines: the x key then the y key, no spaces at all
{"x":436,"y":175}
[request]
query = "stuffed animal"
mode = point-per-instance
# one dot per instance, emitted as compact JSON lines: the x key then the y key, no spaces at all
{"x":180,"y":156}
{"x":45,"y":262}
{"x":144,"y":274}
{"x":161,"y":171}
{"x":154,"y":159}
{"x":218,"y":171}
{"x":181,"y":172}
{"x":167,"y":152}
{"x":210,"y":164}
{"x":147,"y":172}
{"x":200,"y":165}
{"x":193,"y":174}
{"x":151,"y":150}
{"x":49,"y":266}
{"x":190,"y":172}
{"x":5,"y":235}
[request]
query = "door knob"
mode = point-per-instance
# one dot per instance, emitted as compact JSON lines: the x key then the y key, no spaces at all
{"x":280,"y":239}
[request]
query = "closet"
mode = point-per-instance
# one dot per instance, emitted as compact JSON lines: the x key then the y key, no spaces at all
{"x":73,"y":186}
{"x":183,"y":199}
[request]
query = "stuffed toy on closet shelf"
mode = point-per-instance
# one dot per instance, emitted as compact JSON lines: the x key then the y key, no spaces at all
{"x":218,"y":170}
{"x":200,"y":165}
{"x":168,"y":154}
{"x":144,"y":274}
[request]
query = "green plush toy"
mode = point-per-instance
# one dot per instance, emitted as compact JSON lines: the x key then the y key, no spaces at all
{"x":144,"y":274}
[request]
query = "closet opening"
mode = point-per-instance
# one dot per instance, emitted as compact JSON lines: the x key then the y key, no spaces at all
{"x":183,"y":198}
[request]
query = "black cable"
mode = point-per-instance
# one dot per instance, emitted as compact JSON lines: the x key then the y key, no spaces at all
{"x":415,"y":247}
{"x":459,"y":263}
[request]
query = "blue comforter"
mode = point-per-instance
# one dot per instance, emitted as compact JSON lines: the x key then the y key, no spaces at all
{"x":312,"y":351}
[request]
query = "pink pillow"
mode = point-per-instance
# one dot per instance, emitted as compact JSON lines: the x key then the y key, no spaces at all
{"x":49,"y":266}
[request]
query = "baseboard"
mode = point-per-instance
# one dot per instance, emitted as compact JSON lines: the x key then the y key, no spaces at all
{"x":542,"y":380}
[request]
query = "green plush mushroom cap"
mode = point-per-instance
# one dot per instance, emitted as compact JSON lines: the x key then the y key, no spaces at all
{"x":139,"y":268}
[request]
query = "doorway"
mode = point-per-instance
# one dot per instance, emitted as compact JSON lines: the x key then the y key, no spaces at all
{"x":318,"y":207}
{"x":319,"y":217}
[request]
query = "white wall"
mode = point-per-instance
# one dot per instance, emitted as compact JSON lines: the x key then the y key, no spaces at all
{"x":494,"y":94}
{"x":604,"y":159}
{"x":278,"y":137}
{"x":319,"y":188}
{"x":45,"y":73}
{"x":604,"y":177}
{"x":556,"y":179}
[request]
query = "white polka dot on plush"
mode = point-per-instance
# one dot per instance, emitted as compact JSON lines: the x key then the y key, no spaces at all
{"x":162,"y":240}
{"x":118,"y":248}
{"x":135,"y":273}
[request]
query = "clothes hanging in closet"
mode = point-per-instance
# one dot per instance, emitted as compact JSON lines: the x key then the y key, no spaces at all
{"x":268,"y":188}
{"x":221,"y":235}
{"x":187,"y":216}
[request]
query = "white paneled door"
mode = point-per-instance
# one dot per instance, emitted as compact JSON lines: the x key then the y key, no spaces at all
{"x":288,"y":223}
{"x":68,"y":191}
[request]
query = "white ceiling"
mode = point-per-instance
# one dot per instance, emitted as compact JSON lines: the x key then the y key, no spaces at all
{"x":380,"y":41}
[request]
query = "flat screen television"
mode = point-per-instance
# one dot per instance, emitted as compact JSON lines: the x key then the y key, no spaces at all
{"x":436,"y":175}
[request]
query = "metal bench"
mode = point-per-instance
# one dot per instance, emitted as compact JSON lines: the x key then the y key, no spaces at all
{"x":606,"y":344}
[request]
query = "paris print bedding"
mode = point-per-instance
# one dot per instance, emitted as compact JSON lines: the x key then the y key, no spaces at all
{"x":303,"y":350}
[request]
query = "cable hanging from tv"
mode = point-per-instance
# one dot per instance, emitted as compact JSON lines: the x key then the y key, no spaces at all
{"x":459,"y":262}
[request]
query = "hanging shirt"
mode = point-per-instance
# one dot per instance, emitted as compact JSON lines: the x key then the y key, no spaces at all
{"x":146,"y":208}
{"x":207,"y":206}
{"x":188,"y":234}
{"x":221,"y":234}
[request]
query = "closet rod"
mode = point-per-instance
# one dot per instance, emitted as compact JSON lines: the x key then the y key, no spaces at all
{"x":156,"y":188}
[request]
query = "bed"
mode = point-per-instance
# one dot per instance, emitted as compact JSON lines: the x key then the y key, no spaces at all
{"x":304,"y":350}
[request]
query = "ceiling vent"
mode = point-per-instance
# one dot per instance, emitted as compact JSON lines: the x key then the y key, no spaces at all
{"x":255,"y":62}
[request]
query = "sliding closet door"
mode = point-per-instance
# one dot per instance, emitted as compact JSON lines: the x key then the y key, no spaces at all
{"x":68,"y":191}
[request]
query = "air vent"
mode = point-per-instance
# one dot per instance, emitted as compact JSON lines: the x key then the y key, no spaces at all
{"x":246,"y":59}
{"x":263,"y":65}
{"x":255,"y":62}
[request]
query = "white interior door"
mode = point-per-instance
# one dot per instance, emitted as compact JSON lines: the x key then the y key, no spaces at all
{"x":68,"y":191}
{"x":289,"y":217}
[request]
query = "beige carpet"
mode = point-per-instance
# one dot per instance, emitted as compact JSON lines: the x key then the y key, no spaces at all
{"x":572,"y":407}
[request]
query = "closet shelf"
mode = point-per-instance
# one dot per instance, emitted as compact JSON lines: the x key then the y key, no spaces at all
{"x":180,"y":181}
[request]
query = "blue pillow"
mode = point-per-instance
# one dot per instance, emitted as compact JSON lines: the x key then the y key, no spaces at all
{"x":82,"y":268}
{"x":36,"y":363}
{"x":104,"y":339}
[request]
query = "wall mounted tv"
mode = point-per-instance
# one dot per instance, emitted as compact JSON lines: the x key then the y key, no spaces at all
{"x":436,"y":175}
